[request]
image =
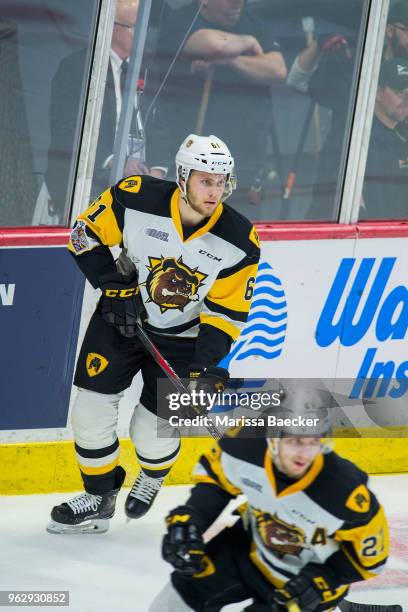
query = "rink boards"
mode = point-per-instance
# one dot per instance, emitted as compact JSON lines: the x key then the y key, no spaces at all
{"x":330,"y":302}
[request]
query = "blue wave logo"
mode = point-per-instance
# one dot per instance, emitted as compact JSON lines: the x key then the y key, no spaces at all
{"x":265,"y":331}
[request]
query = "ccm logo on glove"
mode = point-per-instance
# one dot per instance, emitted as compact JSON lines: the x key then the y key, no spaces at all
{"x":121,"y":293}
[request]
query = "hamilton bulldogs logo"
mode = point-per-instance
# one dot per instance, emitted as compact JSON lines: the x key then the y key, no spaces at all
{"x":95,"y":364}
{"x":278,"y":536}
{"x":171,"y":283}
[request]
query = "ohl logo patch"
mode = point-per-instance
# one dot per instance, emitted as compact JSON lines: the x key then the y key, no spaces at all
{"x":171,"y":283}
{"x":95,"y":364}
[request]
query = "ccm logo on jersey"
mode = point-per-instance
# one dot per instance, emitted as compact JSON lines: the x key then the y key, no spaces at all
{"x":210,"y":255}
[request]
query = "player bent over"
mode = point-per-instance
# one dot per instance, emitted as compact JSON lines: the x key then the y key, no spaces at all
{"x":309,"y":528}
{"x":193,"y":262}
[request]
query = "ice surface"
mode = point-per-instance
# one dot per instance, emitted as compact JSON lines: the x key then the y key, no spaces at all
{"x":122,"y":569}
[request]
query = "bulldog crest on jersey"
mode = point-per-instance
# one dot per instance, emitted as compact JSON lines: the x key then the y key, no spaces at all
{"x":171,"y":283}
{"x":279,"y":537}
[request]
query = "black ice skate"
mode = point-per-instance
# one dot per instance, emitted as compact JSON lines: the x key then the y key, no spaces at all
{"x":142,"y":495}
{"x":86,"y":513}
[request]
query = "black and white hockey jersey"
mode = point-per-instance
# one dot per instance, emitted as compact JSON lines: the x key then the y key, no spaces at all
{"x":205,"y":278}
{"x":328,"y":518}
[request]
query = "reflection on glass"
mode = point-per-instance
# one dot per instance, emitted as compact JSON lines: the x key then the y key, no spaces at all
{"x":386,"y":178}
{"x":220,"y":82}
{"x":221,"y":68}
{"x":67,"y":100}
{"x":17,"y":181}
{"x":138,"y":158}
{"x":40,"y":106}
{"x":121,"y":46}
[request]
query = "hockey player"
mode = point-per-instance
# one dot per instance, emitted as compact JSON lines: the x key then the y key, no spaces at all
{"x":310,"y":526}
{"x":193,"y":263}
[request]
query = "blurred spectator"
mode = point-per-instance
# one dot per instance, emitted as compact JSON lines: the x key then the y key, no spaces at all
{"x":324,"y":70}
{"x":67,"y":86}
{"x":17,"y":181}
{"x":385,"y":191}
{"x":221,"y":79}
{"x":396,"y":34}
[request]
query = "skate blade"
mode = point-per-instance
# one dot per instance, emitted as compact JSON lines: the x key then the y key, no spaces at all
{"x":92,"y":526}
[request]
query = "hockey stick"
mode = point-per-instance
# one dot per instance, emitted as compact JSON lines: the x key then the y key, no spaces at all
{"x":299,"y":152}
{"x":351,"y":606}
{"x":175,"y":379}
{"x":205,"y":97}
{"x":276,"y":151}
{"x":126,"y":266}
{"x":292,"y":607}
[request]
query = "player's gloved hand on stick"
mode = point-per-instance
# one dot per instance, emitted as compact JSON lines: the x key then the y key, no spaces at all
{"x":206,"y":380}
{"x":183,"y":545}
{"x":121,"y":303}
{"x":307,"y":589}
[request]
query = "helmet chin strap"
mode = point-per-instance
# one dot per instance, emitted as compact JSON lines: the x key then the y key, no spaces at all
{"x":184,"y":195}
{"x":274,"y":452}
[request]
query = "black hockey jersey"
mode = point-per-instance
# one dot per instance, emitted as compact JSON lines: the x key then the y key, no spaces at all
{"x":205,"y":278}
{"x":327,"y":518}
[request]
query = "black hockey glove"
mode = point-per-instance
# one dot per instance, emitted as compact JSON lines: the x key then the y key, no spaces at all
{"x":308,"y":588}
{"x":206,"y":380}
{"x":183,"y":545}
{"x":202,"y":381}
{"x":121,"y":303}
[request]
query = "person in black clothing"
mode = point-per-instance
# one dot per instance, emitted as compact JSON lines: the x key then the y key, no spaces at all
{"x":331,"y":86}
{"x":67,"y":86}
{"x":385,"y":192}
{"x":221,"y":80}
{"x":396,"y":34}
{"x":324,"y":70}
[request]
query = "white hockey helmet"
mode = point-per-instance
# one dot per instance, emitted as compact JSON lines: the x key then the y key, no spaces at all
{"x":300,"y":401}
{"x":206,"y":154}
